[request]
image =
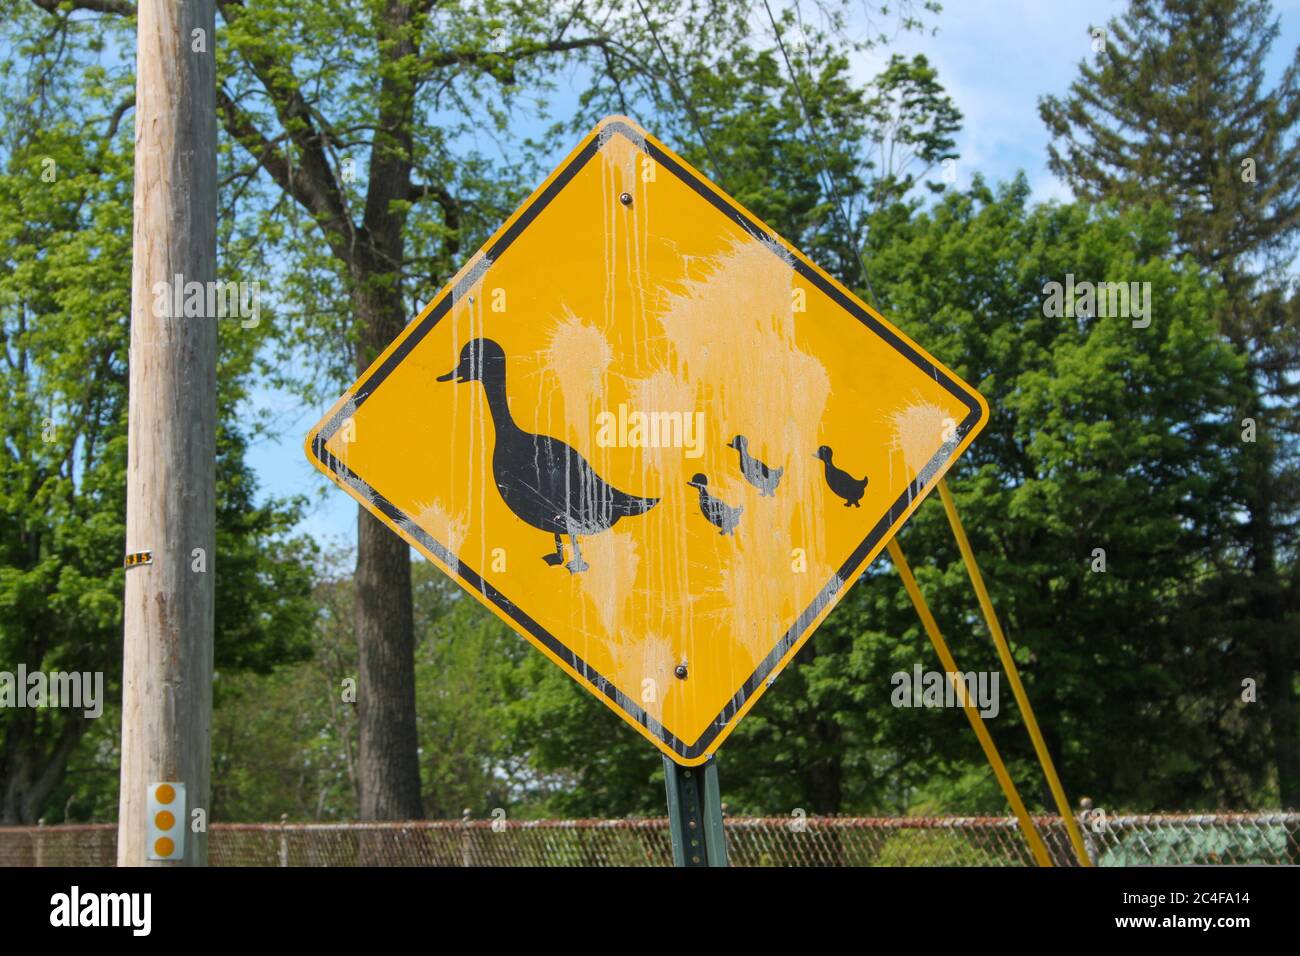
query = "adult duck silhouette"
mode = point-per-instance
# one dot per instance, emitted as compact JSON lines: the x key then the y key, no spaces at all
{"x":545,"y":482}
{"x":840,"y":481}
{"x":758,"y":474}
{"x":716,"y":511}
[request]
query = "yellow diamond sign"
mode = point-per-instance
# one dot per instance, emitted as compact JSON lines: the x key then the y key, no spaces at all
{"x":650,"y":435}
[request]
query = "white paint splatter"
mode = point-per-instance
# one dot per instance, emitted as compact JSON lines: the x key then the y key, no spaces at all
{"x":918,"y":432}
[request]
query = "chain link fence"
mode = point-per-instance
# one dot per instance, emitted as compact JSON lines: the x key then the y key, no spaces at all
{"x":1162,"y":839}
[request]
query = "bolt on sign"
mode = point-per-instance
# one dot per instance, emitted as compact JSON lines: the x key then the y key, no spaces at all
{"x":650,"y":435}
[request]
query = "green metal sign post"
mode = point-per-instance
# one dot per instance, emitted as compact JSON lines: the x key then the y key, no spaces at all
{"x":695,"y":814}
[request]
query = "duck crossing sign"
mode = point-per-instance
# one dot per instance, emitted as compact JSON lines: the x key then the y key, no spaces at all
{"x":650,"y":435}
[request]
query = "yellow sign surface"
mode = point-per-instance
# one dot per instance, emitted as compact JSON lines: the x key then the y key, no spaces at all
{"x":650,"y":435}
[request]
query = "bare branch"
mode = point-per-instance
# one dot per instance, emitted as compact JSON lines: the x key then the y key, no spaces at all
{"x":293,"y":179}
{"x":488,"y":58}
{"x":312,"y":181}
{"x":116,"y":119}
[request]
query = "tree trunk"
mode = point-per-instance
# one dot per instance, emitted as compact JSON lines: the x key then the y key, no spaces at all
{"x":825,"y":774}
{"x":389,"y":769}
{"x":1268,"y":610}
{"x":824,"y":782}
{"x":388,"y":762}
{"x":31,"y":772}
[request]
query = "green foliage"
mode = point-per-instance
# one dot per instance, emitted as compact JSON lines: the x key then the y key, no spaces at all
{"x":1106,"y":436}
{"x":593,"y":764}
{"x":1175,"y":112}
{"x":284,"y":739}
{"x":466,"y":667}
{"x":65,"y":233}
{"x":873,"y":143}
{"x":1103,"y":436}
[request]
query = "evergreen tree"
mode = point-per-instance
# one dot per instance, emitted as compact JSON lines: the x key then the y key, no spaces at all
{"x":1175,"y":111}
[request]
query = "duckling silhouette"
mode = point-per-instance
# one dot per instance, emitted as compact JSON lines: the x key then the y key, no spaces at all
{"x":719,"y":514}
{"x":841,"y":482}
{"x":546,"y":483}
{"x":759,"y":475}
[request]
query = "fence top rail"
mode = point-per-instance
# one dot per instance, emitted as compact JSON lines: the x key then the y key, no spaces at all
{"x":1287,"y":819}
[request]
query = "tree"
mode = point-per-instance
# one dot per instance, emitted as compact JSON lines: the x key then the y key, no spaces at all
{"x":402,"y":83}
{"x":741,"y":119}
{"x":914,"y":122}
{"x":447,"y":75}
{"x":1105,"y":436}
{"x":285,"y":741}
{"x":65,"y":217}
{"x":356,"y":165}
{"x":284,"y":737}
{"x":1175,"y":111}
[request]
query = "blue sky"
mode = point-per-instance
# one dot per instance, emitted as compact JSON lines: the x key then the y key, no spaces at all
{"x":995,"y":57}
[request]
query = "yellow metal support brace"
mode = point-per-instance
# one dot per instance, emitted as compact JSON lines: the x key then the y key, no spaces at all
{"x":1013,"y":675}
{"x":976,"y":722}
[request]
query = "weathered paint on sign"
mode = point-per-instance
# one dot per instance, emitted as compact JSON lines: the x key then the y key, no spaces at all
{"x":650,"y":435}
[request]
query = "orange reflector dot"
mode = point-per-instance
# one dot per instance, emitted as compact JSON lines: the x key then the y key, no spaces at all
{"x":164,"y":820}
{"x":166,"y":793}
{"x":163,"y":846}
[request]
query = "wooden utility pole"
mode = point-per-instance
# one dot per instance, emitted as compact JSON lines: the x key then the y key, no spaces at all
{"x":171,"y":483}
